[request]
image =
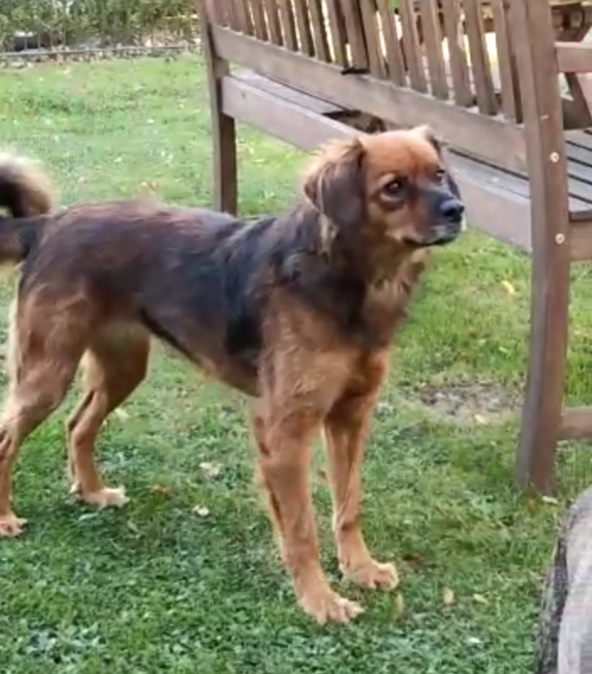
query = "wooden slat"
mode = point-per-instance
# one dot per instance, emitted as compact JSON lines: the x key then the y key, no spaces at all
{"x":244,"y":21}
{"x":396,"y":65}
{"x":292,"y":123}
{"x":304,"y":100}
{"x":511,"y":104}
{"x":227,"y":11}
{"x":258,"y":18}
{"x":273,"y":22}
{"x":303,"y":23}
{"x":481,"y":66}
{"x":375,"y":56}
{"x":502,"y":143}
{"x":461,"y":81}
{"x":580,"y":237}
{"x":214,"y":11}
{"x":319,"y":30}
{"x":574,"y":57}
{"x":355,"y":33}
{"x":288,"y":24}
{"x":432,"y":37}
{"x":338,"y":32}
{"x":411,"y":46}
{"x":576,"y":423}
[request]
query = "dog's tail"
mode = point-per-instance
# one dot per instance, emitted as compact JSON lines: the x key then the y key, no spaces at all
{"x":26,"y":194}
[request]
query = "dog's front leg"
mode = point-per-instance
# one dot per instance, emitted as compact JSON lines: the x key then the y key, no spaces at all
{"x":283,"y":440}
{"x":344,"y":434}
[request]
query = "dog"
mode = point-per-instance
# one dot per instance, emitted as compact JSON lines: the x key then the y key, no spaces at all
{"x":297,"y":311}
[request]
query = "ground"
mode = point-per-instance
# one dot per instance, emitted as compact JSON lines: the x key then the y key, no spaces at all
{"x":186,"y":578}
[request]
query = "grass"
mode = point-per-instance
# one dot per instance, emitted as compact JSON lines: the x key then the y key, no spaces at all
{"x":157,"y":587}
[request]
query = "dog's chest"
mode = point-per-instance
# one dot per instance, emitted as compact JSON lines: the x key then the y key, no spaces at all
{"x":383,"y":307}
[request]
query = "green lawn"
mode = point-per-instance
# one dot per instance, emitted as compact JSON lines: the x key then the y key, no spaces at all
{"x":158,"y":587}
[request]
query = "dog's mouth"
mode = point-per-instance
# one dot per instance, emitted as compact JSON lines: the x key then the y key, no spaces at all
{"x":439,"y":235}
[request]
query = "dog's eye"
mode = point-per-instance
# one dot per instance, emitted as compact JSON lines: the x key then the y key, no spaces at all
{"x":395,"y":187}
{"x":440,"y":175}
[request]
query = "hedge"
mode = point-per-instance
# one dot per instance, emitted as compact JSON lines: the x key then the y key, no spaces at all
{"x":68,"y":23}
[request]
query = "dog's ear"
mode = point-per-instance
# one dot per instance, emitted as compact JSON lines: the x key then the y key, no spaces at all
{"x":427,"y":133}
{"x":335,"y":184}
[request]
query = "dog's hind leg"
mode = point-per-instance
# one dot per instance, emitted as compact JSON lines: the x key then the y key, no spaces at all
{"x":344,"y":434}
{"x":39,"y":380}
{"x":113,"y":367}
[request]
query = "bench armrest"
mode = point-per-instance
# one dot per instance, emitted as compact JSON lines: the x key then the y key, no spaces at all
{"x":574,"y":57}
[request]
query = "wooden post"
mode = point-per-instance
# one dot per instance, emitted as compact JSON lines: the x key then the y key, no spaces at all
{"x":534,"y":39}
{"x":223,"y":127}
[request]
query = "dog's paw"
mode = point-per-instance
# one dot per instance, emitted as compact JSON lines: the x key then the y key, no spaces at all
{"x":327,"y":606}
{"x":373,"y":575}
{"x":107,"y":497}
{"x":11,"y":525}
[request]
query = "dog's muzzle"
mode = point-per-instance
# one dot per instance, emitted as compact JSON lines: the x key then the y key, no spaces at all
{"x":449,"y":222}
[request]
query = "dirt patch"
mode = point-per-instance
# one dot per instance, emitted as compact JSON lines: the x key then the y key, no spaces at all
{"x":468,"y":402}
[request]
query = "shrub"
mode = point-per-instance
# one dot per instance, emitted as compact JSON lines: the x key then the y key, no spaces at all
{"x":46,"y":23}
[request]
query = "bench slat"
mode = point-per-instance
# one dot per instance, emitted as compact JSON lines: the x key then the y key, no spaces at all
{"x":396,"y":65}
{"x":273,"y":22}
{"x":318,"y":105}
{"x":338,"y":33}
{"x":303,"y":24}
{"x":461,"y":81}
{"x":319,"y":30}
{"x":411,"y":46}
{"x":432,"y":36}
{"x":481,"y":65}
{"x":288,"y":24}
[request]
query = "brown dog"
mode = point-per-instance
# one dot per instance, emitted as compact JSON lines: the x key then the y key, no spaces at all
{"x":297,"y":311}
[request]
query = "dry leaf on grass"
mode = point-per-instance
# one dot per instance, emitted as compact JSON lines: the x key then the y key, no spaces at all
{"x":509,"y":287}
{"x":549,"y":500}
{"x":201,"y":511}
{"x":120,"y":413}
{"x":448,"y":596}
{"x":211,"y":470}
{"x":480,"y":599}
{"x":159,"y":489}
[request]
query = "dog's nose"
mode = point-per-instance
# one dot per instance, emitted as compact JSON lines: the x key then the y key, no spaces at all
{"x":452,"y":210}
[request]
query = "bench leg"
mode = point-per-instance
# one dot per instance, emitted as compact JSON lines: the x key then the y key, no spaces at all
{"x":541,"y":414}
{"x":225,"y":163}
{"x":223,"y":129}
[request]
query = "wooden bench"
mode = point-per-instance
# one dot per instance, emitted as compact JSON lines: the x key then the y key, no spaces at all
{"x":310,"y":70}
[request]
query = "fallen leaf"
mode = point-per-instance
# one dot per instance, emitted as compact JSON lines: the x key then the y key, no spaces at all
{"x":549,"y":500}
{"x":448,"y":596}
{"x":509,"y":287}
{"x":480,"y":419}
{"x":159,"y":489}
{"x":480,"y":599}
{"x":474,"y":641}
{"x":211,"y":470}
{"x":121,"y":414}
{"x":201,"y":511}
{"x":399,"y":605}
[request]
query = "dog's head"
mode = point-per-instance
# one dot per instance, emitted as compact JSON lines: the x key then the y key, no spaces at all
{"x":389,"y":190}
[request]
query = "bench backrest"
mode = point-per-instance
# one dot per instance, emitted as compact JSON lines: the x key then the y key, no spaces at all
{"x":383,"y":56}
